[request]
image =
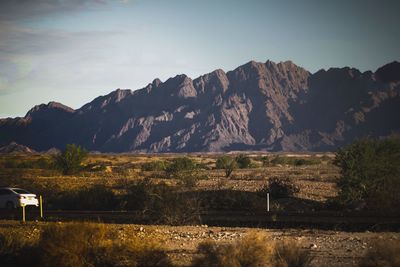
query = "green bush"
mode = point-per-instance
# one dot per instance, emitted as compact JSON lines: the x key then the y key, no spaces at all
{"x":243,"y":161}
{"x":370,"y":172}
{"x":70,"y":160}
{"x":180,"y":164}
{"x":226,"y":163}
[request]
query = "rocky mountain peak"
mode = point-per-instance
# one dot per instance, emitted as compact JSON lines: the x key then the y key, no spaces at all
{"x":389,"y":72}
{"x":42,"y":109}
{"x":156,"y":82}
{"x":215,"y":82}
{"x":180,"y":86}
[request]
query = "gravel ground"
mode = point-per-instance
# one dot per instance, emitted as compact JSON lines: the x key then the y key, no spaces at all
{"x":329,"y":248}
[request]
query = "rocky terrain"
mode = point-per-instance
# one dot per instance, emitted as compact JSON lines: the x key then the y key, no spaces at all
{"x":258,"y":106}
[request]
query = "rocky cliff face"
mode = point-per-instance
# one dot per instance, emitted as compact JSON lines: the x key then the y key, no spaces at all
{"x":258,"y":106}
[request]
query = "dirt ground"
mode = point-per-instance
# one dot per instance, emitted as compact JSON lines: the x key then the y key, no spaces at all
{"x":328,"y":248}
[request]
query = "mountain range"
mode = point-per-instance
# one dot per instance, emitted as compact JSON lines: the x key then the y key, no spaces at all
{"x":257,"y":106}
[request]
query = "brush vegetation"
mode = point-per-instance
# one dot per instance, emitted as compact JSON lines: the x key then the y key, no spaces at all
{"x":252,"y":250}
{"x":79,"y":245}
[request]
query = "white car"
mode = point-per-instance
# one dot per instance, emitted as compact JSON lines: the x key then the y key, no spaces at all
{"x":11,"y":198}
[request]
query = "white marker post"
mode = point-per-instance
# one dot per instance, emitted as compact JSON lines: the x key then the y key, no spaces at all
{"x":267,"y":202}
{"x":23,"y":213}
{"x":41,"y":207}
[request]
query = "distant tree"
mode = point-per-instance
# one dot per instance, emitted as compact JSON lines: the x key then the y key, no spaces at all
{"x":70,"y":160}
{"x":243,"y":161}
{"x":227,"y":163}
{"x":370,"y":172}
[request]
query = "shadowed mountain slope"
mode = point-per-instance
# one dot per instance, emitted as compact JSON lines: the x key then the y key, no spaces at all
{"x":257,"y":106}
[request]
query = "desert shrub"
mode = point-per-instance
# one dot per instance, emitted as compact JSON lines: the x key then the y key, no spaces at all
{"x":154,"y":166}
{"x":97,"y":197}
{"x":180,"y":164}
{"x":243,"y":161}
{"x":70,"y":160}
{"x":295,"y":161}
{"x":136,"y":252}
{"x":17,"y":250}
{"x":280,"y":188}
{"x":311,"y":161}
{"x":265,"y":161}
{"x":382,"y":253}
{"x":87,"y":244}
{"x":163,"y":203}
{"x":79,"y":244}
{"x":252,"y":250}
{"x":71,"y":244}
{"x":186,"y":171}
{"x":189,"y":179}
{"x":370,"y":172}
{"x":203,"y":166}
{"x":226,"y":163}
{"x":290,"y":254}
{"x":279,"y":160}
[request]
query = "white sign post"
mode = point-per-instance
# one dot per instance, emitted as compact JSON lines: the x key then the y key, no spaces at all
{"x":23,"y":213}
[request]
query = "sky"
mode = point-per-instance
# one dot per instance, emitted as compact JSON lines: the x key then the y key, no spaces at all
{"x":72,"y":51}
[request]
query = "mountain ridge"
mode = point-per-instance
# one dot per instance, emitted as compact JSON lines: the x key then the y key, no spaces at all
{"x":256,"y":106}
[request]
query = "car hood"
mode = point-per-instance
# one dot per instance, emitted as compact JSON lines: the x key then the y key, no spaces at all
{"x":27,"y":195}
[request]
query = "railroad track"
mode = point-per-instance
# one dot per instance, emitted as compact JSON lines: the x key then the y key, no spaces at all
{"x":354,"y":221}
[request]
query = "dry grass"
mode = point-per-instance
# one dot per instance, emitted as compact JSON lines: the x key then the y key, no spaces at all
{"x":78,"y":245}
{"x":291,"y":255}
{"x":383,"y":253}
{"x":253,"y":250}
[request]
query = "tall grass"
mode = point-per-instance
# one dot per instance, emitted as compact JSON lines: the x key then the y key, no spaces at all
{"x":79,"y":245}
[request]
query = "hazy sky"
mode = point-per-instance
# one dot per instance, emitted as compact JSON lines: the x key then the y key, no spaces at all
{"x":72,"y":51}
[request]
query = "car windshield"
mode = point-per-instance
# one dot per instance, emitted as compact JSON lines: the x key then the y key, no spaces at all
{"x":21,"y":191}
